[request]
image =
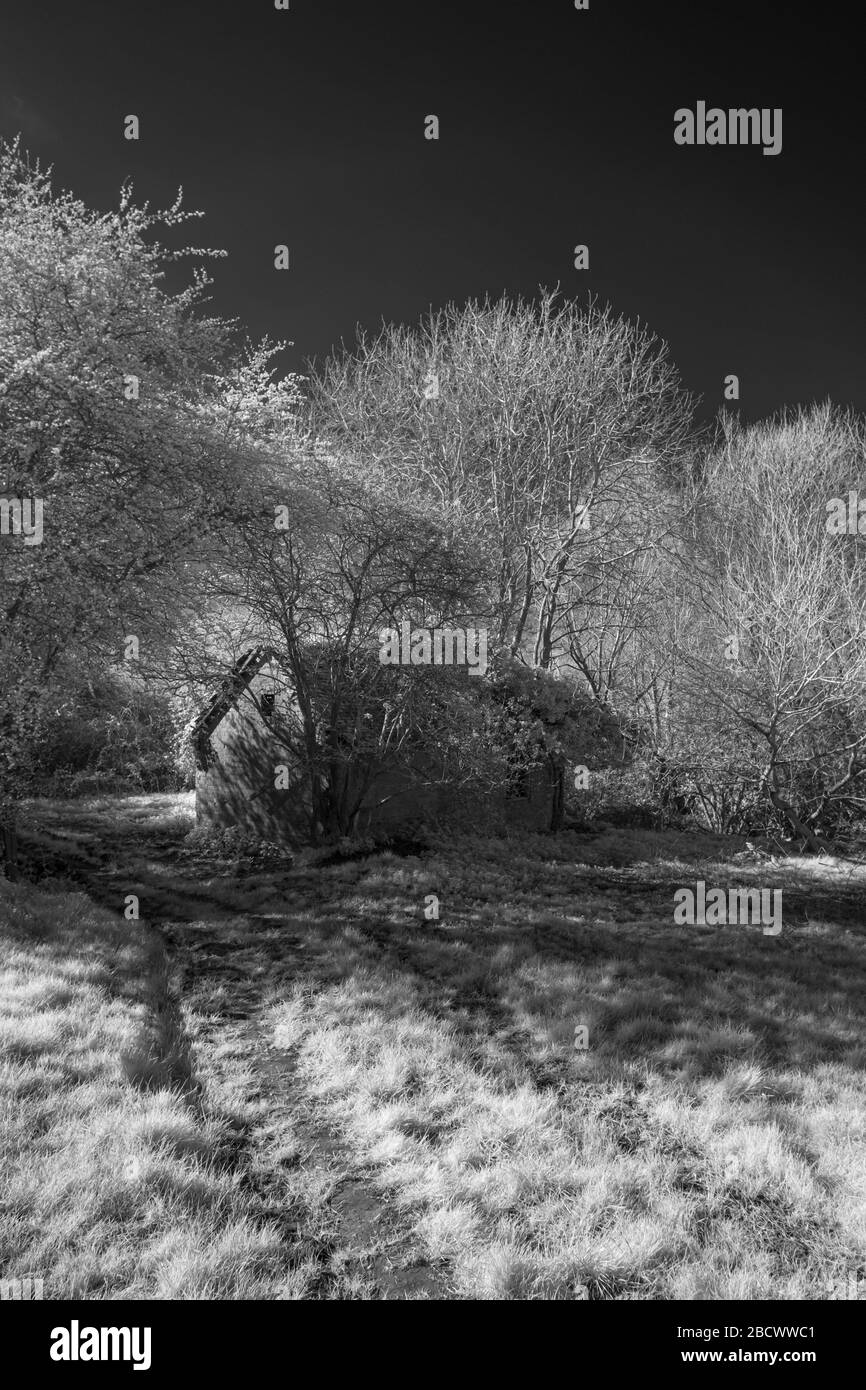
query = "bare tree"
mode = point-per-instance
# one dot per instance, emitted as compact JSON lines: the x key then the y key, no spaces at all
{"x":540,"y":430}
{"x":346,"y":561}
{"x":779,"y":651}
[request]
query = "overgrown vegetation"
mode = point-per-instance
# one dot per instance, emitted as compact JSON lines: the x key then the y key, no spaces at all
{"x":358,"y":1070}
{"x":528,"y":467}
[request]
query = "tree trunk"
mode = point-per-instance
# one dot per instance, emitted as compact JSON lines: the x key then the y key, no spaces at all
{"x":815,"y":844}
{"x":557,"y":809}
{"x":9,"y":846}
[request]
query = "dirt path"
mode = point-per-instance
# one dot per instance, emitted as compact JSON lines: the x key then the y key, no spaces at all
{"x":226,"y":967}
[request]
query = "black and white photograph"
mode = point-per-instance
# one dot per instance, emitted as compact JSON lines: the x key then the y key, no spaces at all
{"x":432,"y":671}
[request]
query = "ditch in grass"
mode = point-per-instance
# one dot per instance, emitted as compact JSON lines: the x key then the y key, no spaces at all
{"x":114,"y":1176}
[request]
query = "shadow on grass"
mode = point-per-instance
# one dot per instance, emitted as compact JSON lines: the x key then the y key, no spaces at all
{"x":653,"y":996}
{"x":538,"y":936}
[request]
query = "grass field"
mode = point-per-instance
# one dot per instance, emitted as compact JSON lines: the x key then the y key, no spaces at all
{"x":288,"y":1082}
{"x":113,"y":1174}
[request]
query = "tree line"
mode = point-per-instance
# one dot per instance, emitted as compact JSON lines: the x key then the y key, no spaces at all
{"x":535,"y":468}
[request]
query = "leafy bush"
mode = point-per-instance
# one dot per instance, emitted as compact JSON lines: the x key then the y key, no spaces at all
{"x":106,"y":736}
{"x":235,"y":843}
{"x":622,"y":796}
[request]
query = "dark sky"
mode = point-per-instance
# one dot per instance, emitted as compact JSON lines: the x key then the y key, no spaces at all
{"x":306,"y":127}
